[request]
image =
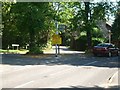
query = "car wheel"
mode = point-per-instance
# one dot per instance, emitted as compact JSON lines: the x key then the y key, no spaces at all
{"x":117,"y":54}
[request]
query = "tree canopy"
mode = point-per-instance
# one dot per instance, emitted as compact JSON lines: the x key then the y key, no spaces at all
{"x":116,"y":26}
{"x":33,"y":23}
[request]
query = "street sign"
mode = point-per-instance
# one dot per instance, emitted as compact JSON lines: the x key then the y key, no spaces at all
{"x":56,"y":39}
{"x":15,"y":45}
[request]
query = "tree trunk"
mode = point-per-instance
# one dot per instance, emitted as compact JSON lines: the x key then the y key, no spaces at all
{"x":32,"y":40}
{"x":72,"y":44}
{"x":87,"y":25}
{"x":31,"y":33}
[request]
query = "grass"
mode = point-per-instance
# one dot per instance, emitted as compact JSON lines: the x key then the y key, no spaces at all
{"x":14,"y":51}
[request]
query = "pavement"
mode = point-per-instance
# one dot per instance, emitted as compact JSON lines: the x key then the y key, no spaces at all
{"x":63,"y":50}
{"x":114,"y":80}
{"x":64,"y":70}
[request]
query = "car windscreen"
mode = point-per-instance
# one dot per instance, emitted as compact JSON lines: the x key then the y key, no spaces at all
{"x":103,"y":45}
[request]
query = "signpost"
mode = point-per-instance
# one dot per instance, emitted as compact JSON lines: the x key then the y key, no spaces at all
{"x":15,"y":45}
{"x":56,"y":40}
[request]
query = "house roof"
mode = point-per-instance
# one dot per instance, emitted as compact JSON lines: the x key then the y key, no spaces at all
{"x":109,"y":23}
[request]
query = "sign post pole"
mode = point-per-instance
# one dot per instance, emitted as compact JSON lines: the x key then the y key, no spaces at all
{"x":56,"y":40}
{"x":56,"y":44}
{"x":57,"y":26}
{"x":56,"y":50}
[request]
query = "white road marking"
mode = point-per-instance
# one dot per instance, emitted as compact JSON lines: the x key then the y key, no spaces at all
{"x":90,"y":63}
{"x":24,"y":84}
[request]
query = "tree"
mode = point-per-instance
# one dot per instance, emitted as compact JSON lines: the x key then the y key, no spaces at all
{"x":82,"y":17}
{"x":116,"y":26}
{"x":32,"y":21}
{"x":9,"y":32}
{"x":87,"y":16}
{"x":87,"y":25}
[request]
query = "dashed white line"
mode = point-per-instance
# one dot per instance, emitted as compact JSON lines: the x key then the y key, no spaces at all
{"x":24,"y":84}
{"x":90,"y":63}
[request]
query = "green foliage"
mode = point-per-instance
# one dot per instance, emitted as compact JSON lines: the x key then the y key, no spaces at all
{"x":96,"y":41}
{"x":9,"y":31}
{"x":65,"y":39}
{"x":81,"y":43}
{"x":27,"y":23}
{"x":96,"y":33}
{"x":116,"y":28}
{"x":33,"y":23}
{"x":88,"y":17}
{"x":36,"y":50}
{"x":13,"y":51}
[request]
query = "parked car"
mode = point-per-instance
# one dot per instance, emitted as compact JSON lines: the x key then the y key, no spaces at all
{"x":105,"y":49}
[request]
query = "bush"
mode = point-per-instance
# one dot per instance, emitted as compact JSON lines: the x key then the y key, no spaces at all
{"x":95,"y":42}
{"x":81,"y":43}
{"x":36,"y":50}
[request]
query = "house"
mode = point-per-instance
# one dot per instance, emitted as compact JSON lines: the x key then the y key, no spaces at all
{"x":109,"y":27}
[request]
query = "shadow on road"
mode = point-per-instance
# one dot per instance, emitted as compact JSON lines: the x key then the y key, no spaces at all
{"x":71,"y":59}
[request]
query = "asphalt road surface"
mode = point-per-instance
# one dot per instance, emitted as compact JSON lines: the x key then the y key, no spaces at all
{"x":64,"y":71}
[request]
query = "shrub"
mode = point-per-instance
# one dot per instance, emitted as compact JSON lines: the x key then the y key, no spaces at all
{"x":95,"y":42}
{"x":81,"y":43}
{"x":36,"y":50}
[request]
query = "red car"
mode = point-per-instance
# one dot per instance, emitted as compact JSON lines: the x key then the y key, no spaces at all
{"x":105,"y":49}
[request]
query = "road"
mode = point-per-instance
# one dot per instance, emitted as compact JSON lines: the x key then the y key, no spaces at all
{"x":64,"y":71}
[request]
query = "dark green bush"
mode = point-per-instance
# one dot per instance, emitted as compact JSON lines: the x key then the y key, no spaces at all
{"x":95,"y":42}
{"x":36,"y":50}
{"x":81,"y":43}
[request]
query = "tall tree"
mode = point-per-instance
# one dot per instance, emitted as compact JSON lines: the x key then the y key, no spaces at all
{"x":33,"y":19}
{"x":87,"y":24}
{"x":9,"y":32}
{"x":116,"y":26}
